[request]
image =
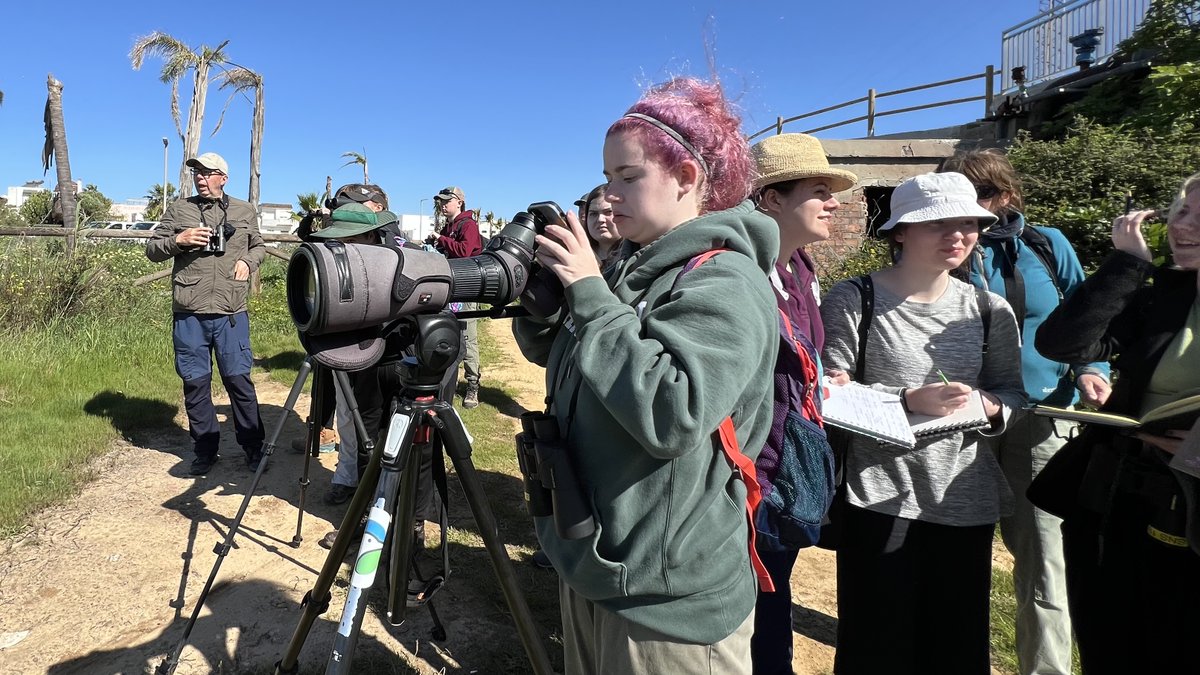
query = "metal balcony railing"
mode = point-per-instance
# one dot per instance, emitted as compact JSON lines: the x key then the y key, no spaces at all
{"x":1042,"y":44}
{"x":988,"y":76}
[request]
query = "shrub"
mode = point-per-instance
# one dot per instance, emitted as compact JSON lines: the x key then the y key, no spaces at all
{"x":1079,"y":183}
{"x":871,"y":255}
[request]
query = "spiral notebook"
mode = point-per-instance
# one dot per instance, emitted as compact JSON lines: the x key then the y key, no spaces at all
{"x":881,"y":416}
{"x":970,"y":417}
{"x":867,"y":412}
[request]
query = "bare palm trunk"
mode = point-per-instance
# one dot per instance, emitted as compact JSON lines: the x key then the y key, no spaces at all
{"x":66,"y":188}
{"x":256,"y":136}
{"x":191,"y":138}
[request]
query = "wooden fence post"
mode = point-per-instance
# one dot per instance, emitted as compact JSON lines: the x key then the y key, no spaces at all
{"x":870,"y":113}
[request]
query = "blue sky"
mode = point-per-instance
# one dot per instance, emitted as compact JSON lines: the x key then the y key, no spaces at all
{"x":509,"y":100}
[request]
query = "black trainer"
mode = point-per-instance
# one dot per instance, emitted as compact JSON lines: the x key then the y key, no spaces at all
{"x":202,"y":464}
{"x":339,"y":494}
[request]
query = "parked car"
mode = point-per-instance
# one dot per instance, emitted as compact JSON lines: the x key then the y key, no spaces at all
{"x":122,"y":226}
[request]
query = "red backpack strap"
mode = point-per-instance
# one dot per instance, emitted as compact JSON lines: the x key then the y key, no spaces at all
{"x":744,"y":468}
{"x":810,"y":370}
{"x":741,"y":464}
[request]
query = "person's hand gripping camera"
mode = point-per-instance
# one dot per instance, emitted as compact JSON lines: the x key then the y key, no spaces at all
{"x":564,"y":249}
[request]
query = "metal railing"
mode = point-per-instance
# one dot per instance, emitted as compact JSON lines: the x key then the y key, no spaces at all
{"x":1042,"y":46}
{"x":988,"y":77}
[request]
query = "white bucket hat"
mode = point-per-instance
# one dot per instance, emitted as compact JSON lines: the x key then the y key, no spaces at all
{"x":936,"y":196}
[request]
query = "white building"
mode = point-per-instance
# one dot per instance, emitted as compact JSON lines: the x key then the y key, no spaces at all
{"x":416,"y":227}
{"x":18,"y":195}
{"x":275,"y":218}
{"x":130,"y":210}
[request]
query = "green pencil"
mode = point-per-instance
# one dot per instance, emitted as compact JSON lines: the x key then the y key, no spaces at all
{"x":942,"y":375}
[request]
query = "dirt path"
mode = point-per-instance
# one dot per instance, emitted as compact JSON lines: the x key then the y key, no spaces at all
{"x":95,"y":585}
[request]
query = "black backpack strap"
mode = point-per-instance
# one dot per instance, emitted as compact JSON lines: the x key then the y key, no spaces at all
{"x":866,"y":291}
{"x":985,"y":313}
{"x":1037,"y":242}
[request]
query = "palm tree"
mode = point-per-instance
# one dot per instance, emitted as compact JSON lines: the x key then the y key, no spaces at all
{"x":241,"y":79}
{"x":178,"y":59}
{"x":55,"y":151}
{"x":308,"y":202}
{"x":356,"y":158}
{"x":155,"y":210}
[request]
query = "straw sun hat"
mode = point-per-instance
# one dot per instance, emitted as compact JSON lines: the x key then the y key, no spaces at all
{"x":790,"y":156}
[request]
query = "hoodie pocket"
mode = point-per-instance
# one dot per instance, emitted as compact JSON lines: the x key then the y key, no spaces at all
{"x":583,"y":567}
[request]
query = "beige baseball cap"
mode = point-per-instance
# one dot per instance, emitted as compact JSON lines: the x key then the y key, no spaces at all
{"x":448,"y":193}
{"x":211,"y":161}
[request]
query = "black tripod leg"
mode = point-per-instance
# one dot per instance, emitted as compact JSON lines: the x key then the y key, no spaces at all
{"x":222,"y":548}
{"x":402,"y":541}
{"x":316,"y":601}
{"x":311,"y":445}
{"x":454,"y":437}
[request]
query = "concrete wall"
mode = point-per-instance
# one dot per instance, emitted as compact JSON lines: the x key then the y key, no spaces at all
{"x":879,"y":163}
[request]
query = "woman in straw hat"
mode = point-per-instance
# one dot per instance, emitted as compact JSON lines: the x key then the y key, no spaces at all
{"x":914,"y":562}
{"x":795,"y":186}
{"x":640,"y":376}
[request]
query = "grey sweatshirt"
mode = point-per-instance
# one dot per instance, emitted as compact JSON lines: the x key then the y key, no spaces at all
{"x":952,"y":479}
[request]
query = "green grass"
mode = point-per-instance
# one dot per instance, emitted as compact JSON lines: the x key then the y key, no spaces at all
{"x":1004,"y":625}
{"x":88,"y":360}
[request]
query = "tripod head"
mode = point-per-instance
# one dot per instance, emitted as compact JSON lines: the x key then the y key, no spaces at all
{"x":418,"y":351}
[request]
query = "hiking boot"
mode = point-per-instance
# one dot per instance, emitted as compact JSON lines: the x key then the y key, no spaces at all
{"x":327,"y":541}
{"x":201,"y":465}
{"x":253,"y":458}
{"x":339,"y":494}
{"x":471,"y":398}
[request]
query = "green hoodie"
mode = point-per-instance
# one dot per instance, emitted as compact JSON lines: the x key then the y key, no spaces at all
{"x":670,"y":551}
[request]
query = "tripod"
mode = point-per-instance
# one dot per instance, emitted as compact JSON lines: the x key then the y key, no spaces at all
{"x":417,"y":417}
{"x":169,"y":663}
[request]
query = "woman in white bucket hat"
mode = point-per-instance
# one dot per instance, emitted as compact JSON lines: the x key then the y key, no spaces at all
{"x":914,"y":559}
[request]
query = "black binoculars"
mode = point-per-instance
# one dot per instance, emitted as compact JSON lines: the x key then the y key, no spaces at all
{"x":551,"y":487}
{"x":216,"y":240}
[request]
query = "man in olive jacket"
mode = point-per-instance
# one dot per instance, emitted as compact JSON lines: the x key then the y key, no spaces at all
{"x":215,"y":244}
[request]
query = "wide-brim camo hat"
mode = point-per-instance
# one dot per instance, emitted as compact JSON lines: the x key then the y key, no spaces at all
{"x":347,"y":221}
{"x":792,"y":156}
{"x":936,"y":196}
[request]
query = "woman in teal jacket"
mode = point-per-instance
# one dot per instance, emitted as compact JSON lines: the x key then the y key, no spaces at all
{"x":641,"y":371}
{"x":1033,"y":268}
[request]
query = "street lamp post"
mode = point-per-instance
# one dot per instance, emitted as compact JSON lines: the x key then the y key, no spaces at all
{"x":164,"y":185}
{"x":421,"y":216}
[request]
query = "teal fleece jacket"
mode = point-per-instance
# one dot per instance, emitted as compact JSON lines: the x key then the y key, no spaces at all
{"x":650,"y":363}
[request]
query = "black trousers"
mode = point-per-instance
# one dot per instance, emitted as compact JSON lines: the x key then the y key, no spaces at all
{"x":771,"y":644}
{"x":203,"y":426}
{"x":1135,"y":601}
{"x":913,"y":597}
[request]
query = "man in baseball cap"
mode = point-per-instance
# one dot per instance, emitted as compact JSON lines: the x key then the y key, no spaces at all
{"x":214,"y":244}
{"x":211,"y":161}
{"x":460,"y":239}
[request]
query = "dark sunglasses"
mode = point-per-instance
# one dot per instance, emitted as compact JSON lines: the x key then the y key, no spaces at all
{"x":986,"y":191}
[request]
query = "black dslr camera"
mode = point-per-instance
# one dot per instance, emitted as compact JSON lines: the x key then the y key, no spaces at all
{"x":551,"y":487}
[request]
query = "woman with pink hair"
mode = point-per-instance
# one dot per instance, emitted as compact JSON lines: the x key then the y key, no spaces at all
{"x":642,"y":370}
